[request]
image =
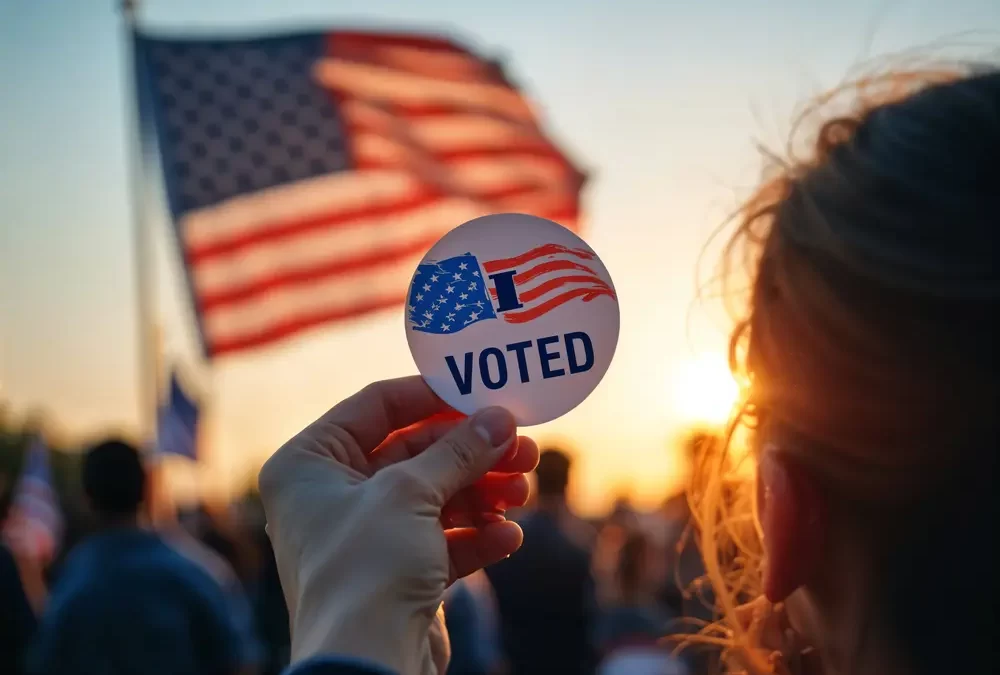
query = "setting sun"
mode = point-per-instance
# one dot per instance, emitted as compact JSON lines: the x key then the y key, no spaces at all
{"x":704,"y":390}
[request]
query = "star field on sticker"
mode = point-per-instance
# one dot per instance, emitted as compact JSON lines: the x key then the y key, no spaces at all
{"x":447,"y":296}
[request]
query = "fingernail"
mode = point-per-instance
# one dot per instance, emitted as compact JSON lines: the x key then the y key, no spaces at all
{"x":496,"y":426}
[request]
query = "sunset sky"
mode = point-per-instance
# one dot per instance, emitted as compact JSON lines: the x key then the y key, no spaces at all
{"x":661,"y":101}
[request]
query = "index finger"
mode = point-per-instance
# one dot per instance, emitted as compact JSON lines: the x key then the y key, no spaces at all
{"x":384,"y":407}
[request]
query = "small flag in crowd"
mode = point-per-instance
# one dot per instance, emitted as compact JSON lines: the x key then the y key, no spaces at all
{"x":34,"y":520}
{"x":449,"y":295}
{"x":308,"y":174}
{"x":177,"y":423}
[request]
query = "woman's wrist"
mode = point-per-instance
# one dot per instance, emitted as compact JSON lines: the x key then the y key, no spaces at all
{"x":384,"y":634}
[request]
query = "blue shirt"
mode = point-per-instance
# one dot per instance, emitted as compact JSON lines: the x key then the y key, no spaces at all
{"x":220,"y":571}
{"x":128,"y":603}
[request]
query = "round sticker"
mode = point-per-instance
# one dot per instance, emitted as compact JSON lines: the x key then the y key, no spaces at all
{"x":514,"y":311}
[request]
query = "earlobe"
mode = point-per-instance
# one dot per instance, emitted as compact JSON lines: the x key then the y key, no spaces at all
{"x":791,"y":513}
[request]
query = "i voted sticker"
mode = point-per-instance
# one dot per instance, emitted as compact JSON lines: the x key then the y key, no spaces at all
{"x":515,"y":311}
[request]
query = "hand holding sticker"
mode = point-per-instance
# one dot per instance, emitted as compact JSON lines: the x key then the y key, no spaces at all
{"x":514,"y":311}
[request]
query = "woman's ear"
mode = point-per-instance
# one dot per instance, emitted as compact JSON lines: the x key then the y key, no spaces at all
{"x":792,"y":514}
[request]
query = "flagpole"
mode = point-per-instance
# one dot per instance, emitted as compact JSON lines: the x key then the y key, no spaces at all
{"x":143,"y":258}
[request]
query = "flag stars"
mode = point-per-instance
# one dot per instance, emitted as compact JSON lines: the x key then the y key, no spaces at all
{"x":451,"y":298}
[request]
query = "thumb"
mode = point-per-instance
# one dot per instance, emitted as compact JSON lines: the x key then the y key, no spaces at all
{"x":466,"y":453}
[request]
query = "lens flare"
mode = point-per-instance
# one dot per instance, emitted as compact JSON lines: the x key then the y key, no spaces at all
{"x":704,"y":390}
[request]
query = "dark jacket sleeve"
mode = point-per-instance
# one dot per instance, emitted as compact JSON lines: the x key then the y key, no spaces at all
{"x":336,"y":665}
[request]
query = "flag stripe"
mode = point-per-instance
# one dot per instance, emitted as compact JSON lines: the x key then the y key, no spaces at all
{"x":337,"y":242}
{"x":433,"y":43}
{"x":471,"y":174}
{"x":540,"y":252}
{"x":40,"y":508}
{"x":334,"y":296}
{"x":377,"y":82}
{"x":446,"y":131}
{"x":280,"y":310}
{"x":284,"y":304}
{"x":291,"y":272}
{"x":334,"y":246}
{"x":414,"y":113}
{"x":233,"y":294}
{"x":546,"y":267}
{"x":453,"y":67}
{"x":30,"y":532}
{"x":256,"y":213}
{"x":373,"y":151}
{"x":304,"y":321}
{"x":280,"y":297}
{"x":340,"y":198}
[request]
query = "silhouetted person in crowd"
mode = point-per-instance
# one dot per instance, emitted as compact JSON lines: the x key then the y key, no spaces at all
{"x":17,"y":619}
{"x":631,"y":625}
{"x":545,"y":591}
{"x":683,"y":559}
{"x":470,"y":617}
{"x":126,"y":601}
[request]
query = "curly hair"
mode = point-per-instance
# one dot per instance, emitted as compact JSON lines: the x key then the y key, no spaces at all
{"x":872,"y":259}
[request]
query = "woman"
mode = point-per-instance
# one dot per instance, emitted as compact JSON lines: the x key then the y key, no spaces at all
{"x":867,"y":351}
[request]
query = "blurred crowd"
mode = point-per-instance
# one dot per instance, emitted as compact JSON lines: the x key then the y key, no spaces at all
{"x":142,"y":589}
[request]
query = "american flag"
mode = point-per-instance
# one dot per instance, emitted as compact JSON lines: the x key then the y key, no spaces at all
{"x":449,"y":295}
{"x":308,"y":174}
{"x":177,"y":423}
{"x":34,"y":520}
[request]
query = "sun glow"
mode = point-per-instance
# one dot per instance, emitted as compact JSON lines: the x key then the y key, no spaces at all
{"x":704,"y":390}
